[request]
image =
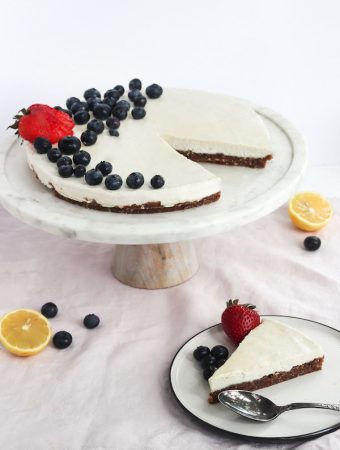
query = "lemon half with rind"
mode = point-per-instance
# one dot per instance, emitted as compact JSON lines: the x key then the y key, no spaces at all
{"x":310,"y":211}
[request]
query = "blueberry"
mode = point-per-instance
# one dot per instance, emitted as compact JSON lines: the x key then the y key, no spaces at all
{"x":119,"y":112}
{"x":219,"y":351}
{"x":113,"y":132}
{"x":134,"y":94}
{"x":79,"y":171}
{"x":64,"y":161}
{"x":49,"y":310}
{"x":113,"y":123}
{"x":91,"y":321}
{"x":154,"y":91}
{"x":112,"y":93}
{"x":124,"y":104}
{"x":135,"y":84}
{"x":201,"y":352}
{"x":65,"y":171}
{"x":66,"y":111}
{"x":81,"y":117}
{"x":135,"y":180}
{"x":82,"y":157}
{"x":120,"y":89}
{"x":105,"y":167}
{"x":53,"y":154}
{"x":91,"y":101}
{"x":208,"y":360}
{"x":101,"y":111}
{"x":110,"y":101}
{"x":79,"y":106}
{"x":91,"y":93}
{"x":71,"y":100}
{"x":208,"y":372}
{"x":140,"y":101}
{"x":113,"y":182}
{"x":96,"y":125}
{"x":312,"y":243}
{"x":62,"y":339}
{"x":219,"y":362}
{"x":88,"y":137}
{"x":42,"y":145}
{"x":138,"y":113}
{"x":93,"y":177}
{"x":69,"y":144}
{"x":157,"y":181}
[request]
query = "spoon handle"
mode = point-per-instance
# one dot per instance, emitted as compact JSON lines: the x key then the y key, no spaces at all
{"x":311,"y":405}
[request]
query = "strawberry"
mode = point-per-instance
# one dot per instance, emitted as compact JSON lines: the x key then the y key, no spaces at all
{"x":238,"y":320}
{"x":44,"y":121}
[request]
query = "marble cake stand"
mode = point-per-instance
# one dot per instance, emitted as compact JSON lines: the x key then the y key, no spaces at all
{"x":157,"y":250}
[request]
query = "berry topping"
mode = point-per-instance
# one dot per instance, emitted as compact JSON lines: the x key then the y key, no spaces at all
{"x":157,"y":181}
{"x":91,"y":321}
{"x":208,"y":360}
{"x":62,"y":339}
{"x":70,"y":101}
{"x":124,"y":104}
{"x":88,"y":137}
{"x":82,"y":157}
{"x":134,"y":94}
{"x":135,"y":180}
{"x":91,"y":101}
{"x":112,"y":93}
{"x":140,"y":101}
{"x":219,"y":351}
{"x":119,"y":112}
{"x":69,"y":145}
{"x":91,"y":93}
{"x":120,"y":89}
{"x":96,"y":125}
{"x":53,"y":154}
{"x":113,"y":132}
{"x":220,"y":362}
{"x":113,"y":182}
{"x":81,"y":117}
{"x":42,"y":145}
{"x":42,"y":121}
{"x":64,"y":161}
{"x":113,"y":123}
{"x":110,"y":101}
{"x":79,"y":171}
{"x":138,"y":113}
{"x":105,"y":167}
{"x":101,"y":111}
{"x":239,"y":320}
{"x":79,"y":106}
{"x":208,"y":372}
{"x":154,"y":91}
{"x":201,"y":352}
{"x":49,"y":310}
{"x":135,"y":84}
{"x":66,"y":111}
{"x":312,"y":243}
{"x":93,"y":177}
{"x":65,"y":171}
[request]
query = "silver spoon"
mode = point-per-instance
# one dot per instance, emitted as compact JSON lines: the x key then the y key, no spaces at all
{"x":256,"y":407}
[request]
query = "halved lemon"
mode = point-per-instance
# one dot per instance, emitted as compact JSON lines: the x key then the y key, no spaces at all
{"x":24,"y":332}
{"x":310,"y":211}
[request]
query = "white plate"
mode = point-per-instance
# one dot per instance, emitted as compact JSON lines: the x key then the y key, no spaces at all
{"x":191,"y":390}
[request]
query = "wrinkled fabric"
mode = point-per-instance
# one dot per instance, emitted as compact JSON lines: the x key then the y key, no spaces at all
{"x":110,"y":389}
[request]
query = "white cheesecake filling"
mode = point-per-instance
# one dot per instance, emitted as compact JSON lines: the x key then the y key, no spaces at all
{"x":271,"y":347}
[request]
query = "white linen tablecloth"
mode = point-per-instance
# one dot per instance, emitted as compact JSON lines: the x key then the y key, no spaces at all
{"x":110,"y":389}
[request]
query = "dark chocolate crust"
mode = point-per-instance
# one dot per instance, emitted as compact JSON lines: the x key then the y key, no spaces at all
{"x":227,"y":160}
{"x":273,"y":378}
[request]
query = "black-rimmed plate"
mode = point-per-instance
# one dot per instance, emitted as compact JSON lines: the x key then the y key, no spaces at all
{"x":191,"y":390}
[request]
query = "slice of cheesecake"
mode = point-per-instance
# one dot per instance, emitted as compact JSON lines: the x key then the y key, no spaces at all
{"x":271,"y":353}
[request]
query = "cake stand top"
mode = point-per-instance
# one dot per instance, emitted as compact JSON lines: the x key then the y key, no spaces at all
{"x":247,"y":195}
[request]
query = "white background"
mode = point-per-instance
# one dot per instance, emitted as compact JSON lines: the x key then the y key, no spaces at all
{"x":280,"y":54}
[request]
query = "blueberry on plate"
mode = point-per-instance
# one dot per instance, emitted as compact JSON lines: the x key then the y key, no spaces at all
{"x":93,"y":177}
{"x":105,"y":167}
{"x":66,"y":111}
{"x":49,"y":310}
{"x":219,"y":351}
{"x":200,"y":352}
{"x":110,"y":101}
{"x":134,"y":94}
{"x":64,"y":161}
{"x":312,"y":243}
{"x":91,"y":321}
{"x":124,"y":104}
{"x":208,"y":360}
{"x":112,"y":93}
{"x":140,"y":101}
{"x":62,"y":339}
{"x":79,"y":171}
{"x":138,"y":113}
{"x":119,"y":112}
{"x":120,"y":89}
{"x":113,"y":182}
{"x":154,"y":91}
{"x":70,"y":101}
{"x":96,"y":125}
{"x":53,"y":154}
{"x":113,"y":123}
{"x":135,"y":180}
{"x":113,"y":132}
{"x":101,"y":111}
{"x":65,"y":171}
{"x":93,"y":92}
{"x":69,"y":144}
{"x":82,"y":157}
{"x":88,"y":137}
{"x":219,"y":362}
{"x":81,"y":117}
{"x":91,"y":101}
{"x":42,"y":145}
{"x":135,"y":84}
{"x":208,"y":372}
{"x":79,"y":106}
{"x":157,"y":181}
